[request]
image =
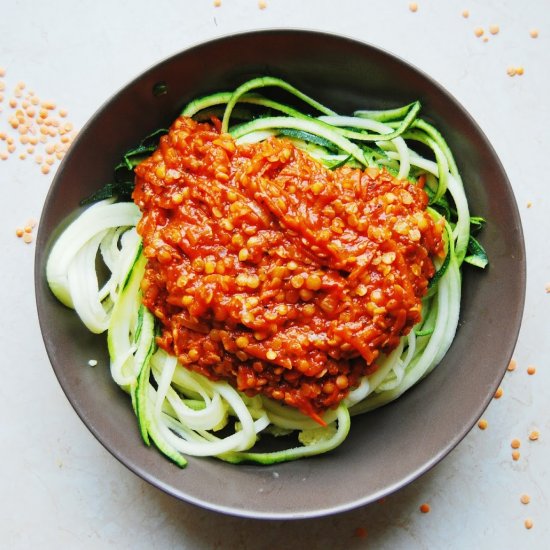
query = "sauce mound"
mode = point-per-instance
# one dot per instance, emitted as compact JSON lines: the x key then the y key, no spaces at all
{"x":274,"y":273}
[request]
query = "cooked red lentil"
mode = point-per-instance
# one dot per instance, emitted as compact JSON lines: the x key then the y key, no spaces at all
{"x":272,"y":272}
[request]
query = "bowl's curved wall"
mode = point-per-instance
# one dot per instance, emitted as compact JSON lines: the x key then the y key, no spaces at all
{"x":386,"y":448}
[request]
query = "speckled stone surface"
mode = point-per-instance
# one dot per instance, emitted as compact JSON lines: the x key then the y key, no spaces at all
{"x":61,"y":489}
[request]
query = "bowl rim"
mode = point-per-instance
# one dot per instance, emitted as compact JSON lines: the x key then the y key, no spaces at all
{"x":320,"y":511}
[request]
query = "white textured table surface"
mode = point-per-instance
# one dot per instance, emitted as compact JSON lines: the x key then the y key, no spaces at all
{"x":61,"y":489}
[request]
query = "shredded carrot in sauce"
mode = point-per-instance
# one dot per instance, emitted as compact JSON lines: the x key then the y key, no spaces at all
{"x":274,"y":273}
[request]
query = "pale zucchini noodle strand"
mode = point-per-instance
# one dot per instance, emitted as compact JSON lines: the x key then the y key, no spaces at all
{"x":183,"y":412}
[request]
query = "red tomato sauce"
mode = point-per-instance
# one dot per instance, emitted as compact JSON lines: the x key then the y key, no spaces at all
{"x":274,"y":273}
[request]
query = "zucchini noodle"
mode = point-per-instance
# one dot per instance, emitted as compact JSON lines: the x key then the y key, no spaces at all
{"x":184,"y":413}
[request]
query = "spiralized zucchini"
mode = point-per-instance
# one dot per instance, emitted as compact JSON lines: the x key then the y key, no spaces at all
{"x":184,"y":413}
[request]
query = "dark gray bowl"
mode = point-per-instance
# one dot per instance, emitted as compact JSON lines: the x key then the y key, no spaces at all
{"x":386,"y":449}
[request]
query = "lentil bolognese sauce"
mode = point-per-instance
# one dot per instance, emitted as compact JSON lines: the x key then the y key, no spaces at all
{"x":275,"y":273}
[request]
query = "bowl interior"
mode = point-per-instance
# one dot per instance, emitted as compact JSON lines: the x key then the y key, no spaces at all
{"x":386,"y":448}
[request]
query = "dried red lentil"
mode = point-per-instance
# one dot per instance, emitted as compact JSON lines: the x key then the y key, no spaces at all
{"x":335,"y":267}
{"x":482,"y":424}
{"x":32,"y":121}
{"x":534,"y":435}
{"x":25,"y":232}
{"x":425,"y":508}
{"x":515,"y":455}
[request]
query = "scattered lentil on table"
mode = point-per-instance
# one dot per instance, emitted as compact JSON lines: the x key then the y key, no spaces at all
{"x":513,"y":71}
{"x":482,"y":424}
{"x":25,"y":233}
{"x":33,"y":127}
